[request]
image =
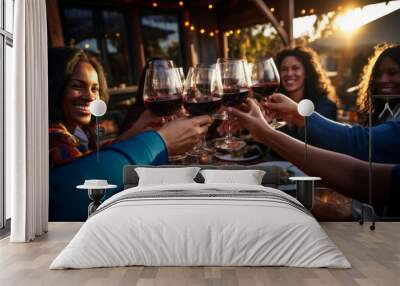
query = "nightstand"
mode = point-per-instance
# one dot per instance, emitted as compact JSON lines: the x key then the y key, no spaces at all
{"x":96,"y":191}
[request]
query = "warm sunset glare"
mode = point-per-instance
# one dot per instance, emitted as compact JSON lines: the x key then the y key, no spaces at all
{"x":350,"y":19}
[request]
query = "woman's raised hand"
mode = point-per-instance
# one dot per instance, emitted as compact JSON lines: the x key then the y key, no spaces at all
{"x":284,"y":107}
{"x":251,"y":117}
{"x":182,"y":135}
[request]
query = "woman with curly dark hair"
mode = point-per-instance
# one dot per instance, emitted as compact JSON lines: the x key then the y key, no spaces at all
{"x":381,"y":76}
{"x":302,"y":77}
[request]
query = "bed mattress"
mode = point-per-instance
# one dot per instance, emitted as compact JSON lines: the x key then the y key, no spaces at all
{"x":201,"y":225}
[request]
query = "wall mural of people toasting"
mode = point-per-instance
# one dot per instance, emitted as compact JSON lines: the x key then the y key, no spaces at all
{"x":215,"y":115}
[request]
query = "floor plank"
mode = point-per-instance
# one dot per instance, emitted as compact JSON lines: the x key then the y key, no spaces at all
{"x":374,"y":255}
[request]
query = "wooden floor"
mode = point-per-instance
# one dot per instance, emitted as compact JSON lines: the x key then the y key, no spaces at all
{"x":375,"y":257}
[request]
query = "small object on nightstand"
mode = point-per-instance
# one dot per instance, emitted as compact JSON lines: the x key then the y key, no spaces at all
{"x":96,"y":191}
{"x":305,"y":190}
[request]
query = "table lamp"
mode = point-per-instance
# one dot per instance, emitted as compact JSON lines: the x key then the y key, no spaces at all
{"x":305,"y":185}
{"x":98,"y":108}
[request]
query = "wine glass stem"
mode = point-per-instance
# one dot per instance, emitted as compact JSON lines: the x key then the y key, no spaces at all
{"x":229,"y":130}
{"x":203,"y":143}
{"x":274,"y":120}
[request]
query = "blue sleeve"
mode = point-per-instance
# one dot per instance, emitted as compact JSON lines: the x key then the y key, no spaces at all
{"x":147,"y":148}
{"x":326,"y":108}
{"x":354,"y":140}
{"x":66,"y":203}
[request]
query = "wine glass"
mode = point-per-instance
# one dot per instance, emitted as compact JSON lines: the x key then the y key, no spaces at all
{"x":265,"y":81}
{"x":202,"y":97}
{"x":182,"y":75}
{"x":158,"y":63}
{"x":233,"y":83}
{"x":162,"y":94}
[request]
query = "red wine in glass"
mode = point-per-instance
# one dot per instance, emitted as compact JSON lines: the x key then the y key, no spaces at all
{"x":235,"y":89}
{"x":266,"y":80}
{"x":234,"y":97}
{"x":164,"y":104}
{"x":202,"y":97}
{"x":162,"y":95}
{"x":264,"y":89}
{"x":206,"y":105}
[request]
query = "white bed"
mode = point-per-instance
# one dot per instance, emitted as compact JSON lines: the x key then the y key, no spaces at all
{"x":226,"y":225}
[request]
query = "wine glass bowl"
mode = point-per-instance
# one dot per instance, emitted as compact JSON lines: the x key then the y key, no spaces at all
{"x":265,"y":81}
{"x":234,"y":88}
{"x":163,"y":91}
{"x":201,"y":97}
{"x":162,"y":95}
{"x":265,"y":78}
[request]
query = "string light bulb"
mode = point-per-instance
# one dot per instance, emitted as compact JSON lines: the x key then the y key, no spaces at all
{"x":312,"y":11}
{"x":181,"y":3}
{"x":202,"y":31}
{"x":187,"y":23}
{"x":210,"y":6}
{"x":303,"y":11}
{"x":192,"y":28}
{"x":238,"y":31}
{"x":272,"y":9}
{"x":211,"y":34}
{"x":155,"y":4}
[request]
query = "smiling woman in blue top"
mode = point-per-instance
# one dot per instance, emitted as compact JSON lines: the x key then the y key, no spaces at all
{"x":75,"y":80}
{"x":303,"y":77}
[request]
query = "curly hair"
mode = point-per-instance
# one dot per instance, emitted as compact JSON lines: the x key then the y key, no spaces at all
{"x":62,"y":63}
{"x":317,"y":83}
{"x":368,"y":80}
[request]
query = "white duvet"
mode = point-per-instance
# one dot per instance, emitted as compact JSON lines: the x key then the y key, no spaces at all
{"x":192,"y":231}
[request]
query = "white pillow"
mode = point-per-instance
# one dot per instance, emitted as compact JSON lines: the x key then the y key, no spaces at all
{"x":248,"y":177}
{"x":165,"y":176}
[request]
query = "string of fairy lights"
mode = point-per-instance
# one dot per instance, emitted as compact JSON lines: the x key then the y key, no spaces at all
{"x":213,"y":32}
{"x":190,"y":26}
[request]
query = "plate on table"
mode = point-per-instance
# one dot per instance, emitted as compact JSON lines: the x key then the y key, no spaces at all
{"x":250,"y":153}
{"x":245,"y":135}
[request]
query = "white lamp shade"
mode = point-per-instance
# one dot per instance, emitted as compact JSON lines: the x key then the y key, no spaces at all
{"x":305,"y":107}
{"x":98,"y":107}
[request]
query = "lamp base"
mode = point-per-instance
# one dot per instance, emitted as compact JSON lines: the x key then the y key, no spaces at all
{"x":305,"y":190}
